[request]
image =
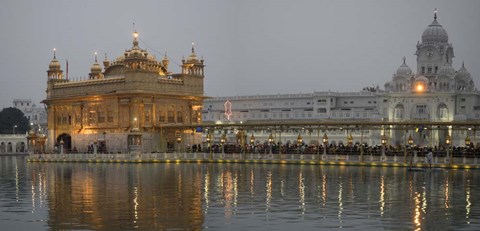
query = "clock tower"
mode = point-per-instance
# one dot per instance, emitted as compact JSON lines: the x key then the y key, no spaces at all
{"x":434,"y":51}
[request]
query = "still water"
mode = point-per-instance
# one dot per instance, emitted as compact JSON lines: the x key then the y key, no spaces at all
{"x":157,"y":196}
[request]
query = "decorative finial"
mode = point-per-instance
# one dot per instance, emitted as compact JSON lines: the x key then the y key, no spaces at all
{"x":165,"y":56}
{"x":54,"y":55}
{"x":463,"y":64}
{"x":106,"y":56}
{"x":435,"y":14}
{"x":193,"y":47}
{"x":95,"y":56}
{"x":404,"y":59}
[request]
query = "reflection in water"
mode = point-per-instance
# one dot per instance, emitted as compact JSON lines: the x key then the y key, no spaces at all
{"x":468,"y":202}
{"x":417,"y":217}
{"x":382,"y":195}
{"x":91,"y":196}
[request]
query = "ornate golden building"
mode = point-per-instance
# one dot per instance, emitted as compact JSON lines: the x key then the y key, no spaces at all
{"x":127,"y":106}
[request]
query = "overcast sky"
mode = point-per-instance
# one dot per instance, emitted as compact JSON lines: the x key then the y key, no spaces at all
{"x":250,"y":47}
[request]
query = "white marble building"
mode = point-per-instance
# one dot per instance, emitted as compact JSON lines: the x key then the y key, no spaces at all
{"x":436,"y":92}
{"x":37,"y":115}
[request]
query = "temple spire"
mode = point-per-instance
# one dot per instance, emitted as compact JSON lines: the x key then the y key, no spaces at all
{"x":435,"y":14}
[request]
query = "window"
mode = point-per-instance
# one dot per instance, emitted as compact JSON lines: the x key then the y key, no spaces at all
{"x":436,"y":69}
{"x":179,"y":116}
{"x":322,"y":110}
{"x":429,"y":70}
{"x":421,"y":109}
{"x":101,"y":116}
{"x":423,"y":70}
{"x":109,"y":115}
{"x":171,"y":116}
{"x":161,"y":116}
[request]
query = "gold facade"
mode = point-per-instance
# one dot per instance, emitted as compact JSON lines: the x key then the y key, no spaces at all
{"x":126,"y":106}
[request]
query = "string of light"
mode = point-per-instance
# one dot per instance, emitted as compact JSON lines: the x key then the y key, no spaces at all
{"x":160,"y":53}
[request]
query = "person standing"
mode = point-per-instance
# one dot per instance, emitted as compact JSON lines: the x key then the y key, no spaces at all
{"x":430,"y":157}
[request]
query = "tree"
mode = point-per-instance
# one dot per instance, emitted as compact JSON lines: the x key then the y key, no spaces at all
{"x":9,"y":117}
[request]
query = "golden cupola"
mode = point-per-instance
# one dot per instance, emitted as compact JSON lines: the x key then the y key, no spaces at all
{"x":95,"y":70}
{"x":54,"y":68}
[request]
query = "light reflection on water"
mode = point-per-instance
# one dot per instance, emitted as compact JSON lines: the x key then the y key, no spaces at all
{"x":91,"y":196}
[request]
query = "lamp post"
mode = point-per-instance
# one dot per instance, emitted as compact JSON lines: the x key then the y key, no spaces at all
{"x":252,"y":146}
{"x":467,"y":145}
{"x":410,"y":143}
{"x":448,"y":140}
{"x":270,"y":141}
{"x":13,"y":129}
{"x":179,"y":140}
{"x":223,"y":140}
{"x":299,"y":144}
{"x":350,"y":143}
{"x":209,"y":140}
{"x":325,"y":141}
{"x":384,"y":142}
{"x":61,"y":147}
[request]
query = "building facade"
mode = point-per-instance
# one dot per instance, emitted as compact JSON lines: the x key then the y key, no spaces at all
{"x":436,"y":92}
{"x":127,"y":106}
{"x":37,"y":116}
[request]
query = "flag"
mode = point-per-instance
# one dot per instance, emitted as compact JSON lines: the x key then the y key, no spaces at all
{"x":67,"y":69}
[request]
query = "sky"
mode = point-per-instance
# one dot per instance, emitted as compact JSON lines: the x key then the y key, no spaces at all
{"x":250,"y":47}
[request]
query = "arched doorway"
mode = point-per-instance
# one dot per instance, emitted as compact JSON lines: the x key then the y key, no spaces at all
{"x":67,"y":142}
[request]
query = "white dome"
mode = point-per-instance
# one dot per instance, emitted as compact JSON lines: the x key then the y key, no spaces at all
{"x":434,"y":33}
{"x":463,"y":73}
{"x":447,"y":70}
{"x":404,"y":69}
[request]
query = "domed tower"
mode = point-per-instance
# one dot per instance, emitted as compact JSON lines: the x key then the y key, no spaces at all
{"x":95,"y":70}
{"x":401,"y":77}
{"x":137,"y":59}
{"x":165,"y":62}
{"x":54,"y":68}
{"x":193,"y":66}
{"x":106,"y":62}
{"x":463,"y":80}
{"x":434,"y":50}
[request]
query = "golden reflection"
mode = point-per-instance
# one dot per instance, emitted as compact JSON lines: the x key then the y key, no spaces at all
{"x":227,"y":183}
{"x":447,"y":192}
{"x":324,"y":189}
{"x":468,"y":202}
{"x":252,"y":183}
{"x":269,"y":190}
{"x":206,"y":191}
{"x":340,"y":202}
{"x":424,"y":200}
{"x":135,"y":204}
{"x":301,"y":192}
{"x":417,"y":216}
{"x":382,"y":195}
{"x":33,"y":197}
{"x":235,"y":191}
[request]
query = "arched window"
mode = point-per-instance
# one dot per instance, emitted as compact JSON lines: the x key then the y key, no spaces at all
{"x":442,"y":111}
{"x":399,"y":111}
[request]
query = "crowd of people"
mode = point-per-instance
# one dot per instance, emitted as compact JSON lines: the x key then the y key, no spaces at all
{"x":340,"y":149}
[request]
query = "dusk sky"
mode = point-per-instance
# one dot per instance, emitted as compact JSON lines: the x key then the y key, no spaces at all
{"x":250,"y":47}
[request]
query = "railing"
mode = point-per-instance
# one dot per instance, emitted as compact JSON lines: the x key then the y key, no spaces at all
{"x":411,"y":157}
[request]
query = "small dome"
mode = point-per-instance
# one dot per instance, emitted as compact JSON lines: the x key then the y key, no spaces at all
{"x":463,"y":72}
{"x":447,"y":70}
{"x":404,"y":69}
{"x":54,"y":64}
{"x":95,"y":66}
{"x":434,"y":33}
